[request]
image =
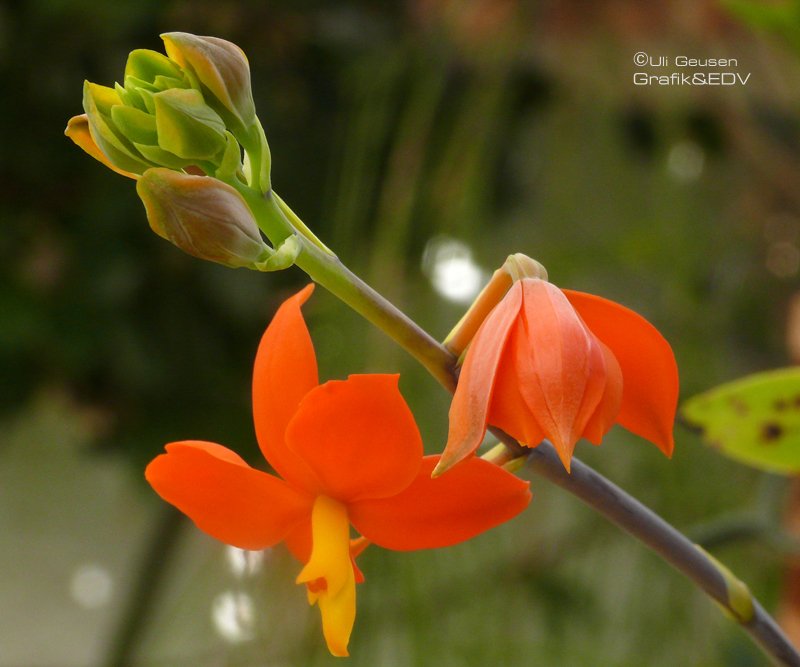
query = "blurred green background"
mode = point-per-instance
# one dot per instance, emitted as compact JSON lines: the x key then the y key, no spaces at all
{"x":424,"y":141}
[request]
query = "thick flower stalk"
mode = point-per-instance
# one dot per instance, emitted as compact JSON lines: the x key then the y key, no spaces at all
{"x":562,"y":365}
{"x":348,"y":453}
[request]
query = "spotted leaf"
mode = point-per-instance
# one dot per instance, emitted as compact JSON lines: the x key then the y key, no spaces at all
{"x":755,"y":420}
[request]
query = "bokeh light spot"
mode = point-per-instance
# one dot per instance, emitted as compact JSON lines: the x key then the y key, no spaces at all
{"x":233,"y":614}
{"x":91,"y":586}
{"x":453,"y":272}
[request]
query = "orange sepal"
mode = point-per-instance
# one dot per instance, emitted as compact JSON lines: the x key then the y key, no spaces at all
{"x":473,"y":497}
{"x":649,"y":371}
{"x":225,"y":497}
{"x":469,"y":410}
{"x":358,"y":436}
{"x":285,"y":370}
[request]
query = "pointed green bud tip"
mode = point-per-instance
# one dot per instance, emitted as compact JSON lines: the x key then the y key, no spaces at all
{"x":151,"y":66}
{"x":203,"y":216}
{"x":222,"y":71}
{"x":520,"y":266}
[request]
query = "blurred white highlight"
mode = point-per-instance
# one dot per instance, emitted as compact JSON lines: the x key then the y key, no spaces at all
{"x":91,"y":586}
{"x":454,"y":274}
{"x":243,"y":563}
{"x":685,"y":161}
{"x":234,"y":615}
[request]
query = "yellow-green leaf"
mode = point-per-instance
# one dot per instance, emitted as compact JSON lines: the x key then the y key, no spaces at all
{"x":755,"y":420}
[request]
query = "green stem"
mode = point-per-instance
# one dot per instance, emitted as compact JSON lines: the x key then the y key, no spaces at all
{"x":583,"y":482}
{"x":326,"y":269}
{"x":329,"y":272}
{"x":256,"y":147}
{"x":299,"y":225}
{"x":646,"y":526}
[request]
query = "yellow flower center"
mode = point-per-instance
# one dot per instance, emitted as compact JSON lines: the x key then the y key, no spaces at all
{"x":328,"y":575}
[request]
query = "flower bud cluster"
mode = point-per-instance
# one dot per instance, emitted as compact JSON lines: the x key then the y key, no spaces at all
{"x":185,"y":111}
{"x":178,"y":124}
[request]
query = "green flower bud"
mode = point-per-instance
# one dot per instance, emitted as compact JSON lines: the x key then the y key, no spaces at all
{"x":155,"y":120}
{"x":223,"y":74}
{"x":192,"y":111}
{"x":202,"y":216}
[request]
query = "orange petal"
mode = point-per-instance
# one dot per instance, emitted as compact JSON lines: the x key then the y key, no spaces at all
{"x":358,"y":436}
{"x":298,"y":540}
{"x":607,"y":411}
{"x":469,"y":411}
{"x":225,"y":497}
{"x":649,"y":371}
{"x":558,"y":377}
{"x":78,"y":131}
{"x":509,"y":411}
{"x":473,"y":497}
{"x":285,"y":371}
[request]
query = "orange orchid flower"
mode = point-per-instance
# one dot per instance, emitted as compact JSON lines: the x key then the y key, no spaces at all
{"x":562,"y":365}
{"x":348,"y":453}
